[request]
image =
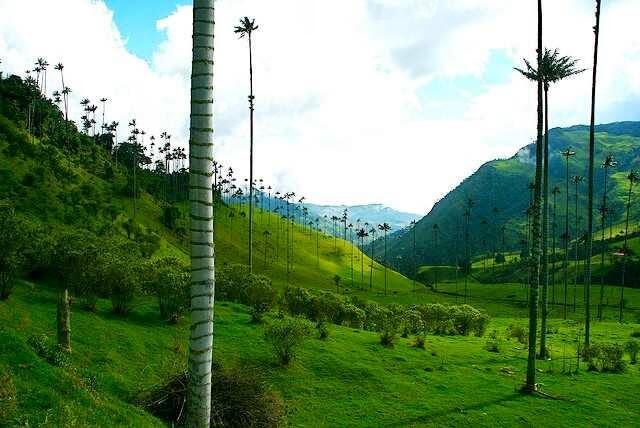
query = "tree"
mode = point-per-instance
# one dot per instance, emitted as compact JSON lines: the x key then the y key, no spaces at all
{"x":568,"y":153}
{"x":633,"y":177}
{"x":246,"y":28}
{"x":552,"y":69}
{"x":372,"y":232}
{"x":201,"y":197}
{"x":554,"y":233}
{"x":413,"y":253}
{"x":336,"y":281}
{"x":384,"y":227}
{"x":362,"y":233}
{"x":592,"y":143}
{"x":608,"y":163}
{"x":534,"y":263}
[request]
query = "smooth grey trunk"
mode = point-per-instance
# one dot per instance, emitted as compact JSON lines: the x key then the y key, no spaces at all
{"x":201,"y":203}
{"x":566,"y":239}
{"x":592,"y":144}
{"x":251,"y":98}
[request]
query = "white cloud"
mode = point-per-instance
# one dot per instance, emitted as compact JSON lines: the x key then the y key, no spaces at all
{"x":342,"y":115}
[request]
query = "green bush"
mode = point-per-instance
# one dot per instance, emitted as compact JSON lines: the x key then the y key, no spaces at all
{"x":419,"y":341}
{"x":518,"y":332}
{"x":632,"y":347}
{"x":285,"y":336}
{"x":261,"y":296}
{"x":492,"y":346}
{"x":169,"y":280}
{"x":605,"y":357}
{"x":8,"y":395}
{"x":298,"y":301}
{"x":388,"y":337}
{"x":469,"y":320}
{"x":323,"y":330}
{"x":352,"y":316}
{"x":45,"y":349}
{"x":412,"y":322}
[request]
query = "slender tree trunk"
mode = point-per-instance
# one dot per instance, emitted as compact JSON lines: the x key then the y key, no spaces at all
{"x":201,"y":203}
{"x":624,"y":257}
{"x":64,"y":321}
{"x":530,"y":385}
{"x":577,"y":247}
{"x":553,"y":254}
{"x":385,"y":262}
{"x":589,"y":243}
{"x":251,"y":98}
{"x":602,"y":245}
{"x":566,"y":242}
{"x":545,"y":231}
{"x":373,"y":252}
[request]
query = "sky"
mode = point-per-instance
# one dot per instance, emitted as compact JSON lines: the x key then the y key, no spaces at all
{"x":357,"y":101}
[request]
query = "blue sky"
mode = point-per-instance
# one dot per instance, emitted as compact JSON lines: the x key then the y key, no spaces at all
{"x":137,"y":19}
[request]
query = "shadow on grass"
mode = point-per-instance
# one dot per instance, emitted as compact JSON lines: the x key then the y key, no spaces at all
{"x":429,"y":417}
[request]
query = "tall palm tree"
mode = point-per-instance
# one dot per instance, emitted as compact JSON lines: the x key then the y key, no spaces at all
{"x":201,"y":197}
{"x":384,"y":227}
{"x":362,"y":233}
{"x":633,"y":178}
{"x":530,"y":385}
{"x":568,"y":153}
{"x":246,"y":28}
{"x":608,"y":163}
{"x":350,"y":226}
{"x":554,"y":233}
{"x":592,"y":144}
{"x":552,"y":69}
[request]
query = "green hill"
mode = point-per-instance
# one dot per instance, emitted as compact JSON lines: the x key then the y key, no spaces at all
{"x":499,"y":190}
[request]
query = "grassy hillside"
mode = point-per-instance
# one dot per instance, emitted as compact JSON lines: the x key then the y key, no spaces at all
{"x":348,"y":380}
{"x":501,"y":197}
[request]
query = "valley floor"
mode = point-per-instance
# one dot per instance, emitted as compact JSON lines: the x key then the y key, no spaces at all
{"x":347,"y":380}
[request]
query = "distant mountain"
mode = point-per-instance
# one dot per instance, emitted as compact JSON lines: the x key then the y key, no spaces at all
{"x":373,"y":214}
{"x":499,"y":190}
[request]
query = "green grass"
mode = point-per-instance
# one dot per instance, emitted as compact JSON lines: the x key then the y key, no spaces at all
{"x":348,"y":380}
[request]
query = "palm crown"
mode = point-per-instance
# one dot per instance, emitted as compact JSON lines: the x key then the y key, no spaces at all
{"x":246,"y":27}
{"x":554,"y":67}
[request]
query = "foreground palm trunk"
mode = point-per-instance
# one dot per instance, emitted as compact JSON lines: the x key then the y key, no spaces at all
{"x":530,"y":385}
{"x":589,"y":243}
{"x":201,"y":201}
{"x":545,"y":230}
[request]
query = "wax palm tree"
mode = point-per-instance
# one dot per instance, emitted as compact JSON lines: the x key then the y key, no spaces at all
{"x":350,"y":226}
{"x":530,"y":385}
{"x":633,"y":178}
{"x":246,"y":28}
{"x":201,"y":197}
{"x":362,"y":233}
{"x":567,"y":154}
{"x":592,"y":144}
{"x":608,"y":163}
{"x":384,"y":227}
{"x":414,"y":260}
{"x":552,"y":69}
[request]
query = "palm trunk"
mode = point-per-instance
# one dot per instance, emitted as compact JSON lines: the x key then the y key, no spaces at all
{"x":201,"y":202}
{"x":577,"y":235}
{"x":589,"y":244}
{"x":603,"y":223}
{"x":566,"y":241}
{"x":373,"y":254}
{"x":545,"y":231}
{"x":385,"y":262}
{"x":250,"y":157}
{"x":624,"y":257}
{"x":553,"y":253}
{"x":530,"y":385}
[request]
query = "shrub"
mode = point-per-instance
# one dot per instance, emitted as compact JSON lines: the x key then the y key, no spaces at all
{"x":411,"y":322}
{"x":120,"y":277}
{"x":632,"y":347}
{"x":519,"y":333}
{"x":419,"y":341}
{"x":376,"y":317}
{"x":352,"y":316}
{"x":298,"y":301}
{"x":285,"y":336}
{"x":605,"y":357}
{"x":231,"y":283}
{"x":169,"y":279}
{"x":45,"y":349}
{"x":8,"y":395}
{"x":469,"y":320}
{"x":492,"y":346}
{"x":323,"y":330}
{"x":239,"y":398}
{"x":388,"y":338}
{"x":327,"y":307}
{"x":261,"y":296}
